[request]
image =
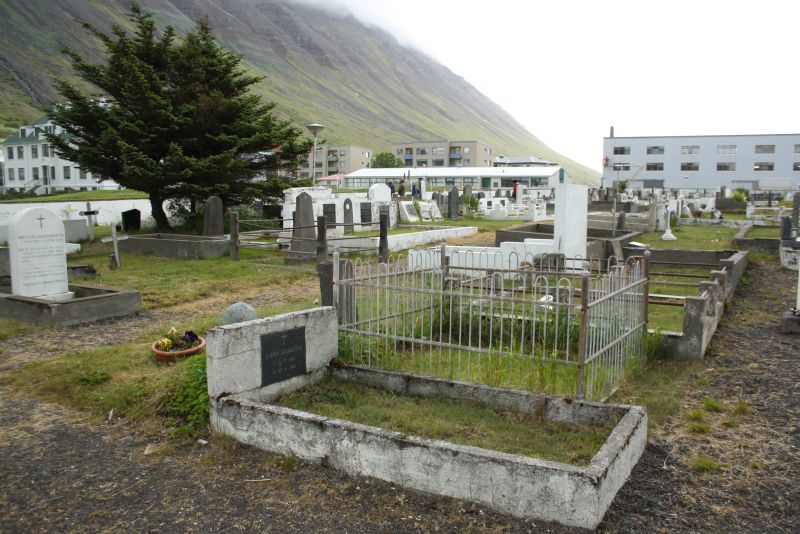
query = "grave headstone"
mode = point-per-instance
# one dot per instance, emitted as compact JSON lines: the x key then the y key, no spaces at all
{"x":424,"y":211}
{"x":329,"y":211}
{"x":422,"y":188}
{"x":283,"y":355}
{"x":786,"y":229}
{"x":407,"y":212}
{"x":213,"y":218}
{"x":436,"y":213}
{"x":304,"y":225}
{"x":379,"y":193}
{"x":348,"y":216}
{"x":498,"y":193}
{"x":481,"y":195}
{"x":37,"y":257}
{"x":131,"y":220}
{"x":452,"y":203}
{"x":366,"y":213}
{"x":237,"y":312}
{"x":467,"y":191}
{"x":795,"y":210}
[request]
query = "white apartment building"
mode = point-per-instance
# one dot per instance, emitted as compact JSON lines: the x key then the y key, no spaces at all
{"x":336,"y":159}
{"x":422,"y":154}
{"x":702,"y":161}
{"x":479,"y":178}
{"x":32,"y":164}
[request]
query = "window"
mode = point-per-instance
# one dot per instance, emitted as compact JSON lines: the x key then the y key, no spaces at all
{"x":622,"y":166}
{"x":690,"y":166}
{"x":726,"y":166}
{"x":34,"y":151}
{"x":10,"y":175}
{"x":437,"y":150}
{"x":655,"y":166}
{"x":797,"y":149}
{"x":343,"y":153}
{"x":466,"y":150}
{"x":20,"y":152}
{"x":422,"y":152}
{"x":765,"y":149}
{"x":726,"y":149}
{"x":52,"y":172}
{"x":796,"y":166}
{"x":21,"y":174}
{"x":35,"y":174}
{"x":45,"y":151}
{"x":66,"y":170}
{"x":399,"y":151}
{"x":466,"y":162}
{"x":44,"y":173}
{"x":421,"y":163}
{"x":690,"y":149}
{"x":81,"y":174}
{"x":764,"y":166}
{"x":438,"y":163}
{"x":622,"y":150}
{"x":11,"y":152}
{"x":655,"y":150}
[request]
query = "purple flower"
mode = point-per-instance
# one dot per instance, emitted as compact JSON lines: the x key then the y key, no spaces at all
{"x":190,"y":337}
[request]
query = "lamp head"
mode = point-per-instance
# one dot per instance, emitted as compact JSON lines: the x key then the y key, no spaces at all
{"x":315,"y":128}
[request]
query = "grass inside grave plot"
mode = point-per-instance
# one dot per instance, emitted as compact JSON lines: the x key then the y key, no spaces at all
{"x":77,"y":196}
{"x":483,"y":225}
{"x":166,"y":282}
{"x":665,"y":317}
{"x":693,"y":238}
{"x":454,"y":420}
{"x":773,"y":232}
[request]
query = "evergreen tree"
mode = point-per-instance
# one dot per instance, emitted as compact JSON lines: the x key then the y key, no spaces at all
{"x":180,"y":121}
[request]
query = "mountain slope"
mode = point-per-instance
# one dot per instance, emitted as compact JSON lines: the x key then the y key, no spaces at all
{"x":321,"y":66}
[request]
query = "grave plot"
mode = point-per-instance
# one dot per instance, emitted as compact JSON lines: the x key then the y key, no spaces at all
{"x":256,"y":368}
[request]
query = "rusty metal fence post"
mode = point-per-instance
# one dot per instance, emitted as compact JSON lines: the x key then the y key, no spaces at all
{"x":583,"y":339}
{"x":234,"y":239}
{"x":322,"y":240}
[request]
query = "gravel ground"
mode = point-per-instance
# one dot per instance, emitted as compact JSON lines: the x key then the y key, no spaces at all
{"x":60,"y":473}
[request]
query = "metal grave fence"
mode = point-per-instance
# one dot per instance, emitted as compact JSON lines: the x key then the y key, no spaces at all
{"x":533,"y":323}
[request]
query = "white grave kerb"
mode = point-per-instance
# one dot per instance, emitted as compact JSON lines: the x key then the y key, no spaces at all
{"x":37,"y":257}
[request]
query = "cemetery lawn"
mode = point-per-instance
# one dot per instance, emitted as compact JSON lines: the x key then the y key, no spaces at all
{"x":166,"y":282}
{"x":77,"y":196}
{"x":693,"y":238}
{"x":483,"y":225}
{"x":454,"y":420}
{"x":773,"y":232}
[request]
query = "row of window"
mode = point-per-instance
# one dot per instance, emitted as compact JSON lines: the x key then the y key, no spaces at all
{"x":437,"y":150}
{"x":656,"y":150}
{"x":439,"y":163}
{"x":47,"y":173}
{"x":694,"y":166}
{"x":47,"y":151}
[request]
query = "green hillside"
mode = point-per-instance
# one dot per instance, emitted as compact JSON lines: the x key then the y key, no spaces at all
{"x":320,"y":66}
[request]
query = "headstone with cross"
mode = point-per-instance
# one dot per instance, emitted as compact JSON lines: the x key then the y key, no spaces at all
{"x":89,"y":214}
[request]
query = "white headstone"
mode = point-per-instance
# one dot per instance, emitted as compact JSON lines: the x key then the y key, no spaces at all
{"x":423,"y":191}
{"x":425,"y":211}
{"x":380,"y":193}
{"x":407,"y":212}
{"x":436,"y":214}
{"x":572,"y":203}
{"x":37,"y":257}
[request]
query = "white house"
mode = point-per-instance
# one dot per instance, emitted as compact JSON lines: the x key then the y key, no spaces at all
{"x":703,"y":161}
{"x":479,"y":178}
{"x":31,"y":164}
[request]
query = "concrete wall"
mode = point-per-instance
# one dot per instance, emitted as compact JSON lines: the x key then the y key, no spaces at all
{"x":522,"y":486}
{"x":182,"y":247}
{"x":756,"y":244}
{"x":398,"y":242}
{"x":233,"y":358}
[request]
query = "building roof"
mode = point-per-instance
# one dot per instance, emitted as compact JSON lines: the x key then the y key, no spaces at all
{"x":458,"y":172}
{"x":692,"y":136}
{"x":523,"y":160}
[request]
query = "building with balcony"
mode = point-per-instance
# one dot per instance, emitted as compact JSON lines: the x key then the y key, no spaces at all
{"x":702,"y":161}
{"x":423,"y":154}
{"x":522,"y":161}
{"x":336,"y":159}
{"x":488,"y":179}
{"x":32,"y":164}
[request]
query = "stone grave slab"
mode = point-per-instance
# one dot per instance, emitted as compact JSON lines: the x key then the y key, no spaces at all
{"x":37,"y":257}
{"x":366,"y":213}
{"x":213,"y":218}
{"x":425,"y":211}
{"x":348,"y":216}
{"x":436,"y":213}
{"x":452,"y":203}
{"x":408,"y":214}
{"x":329,"y":211}
{"x":380,"y":193}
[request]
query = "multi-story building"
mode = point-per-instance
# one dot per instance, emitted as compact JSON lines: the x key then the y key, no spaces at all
{"x":421,"y":154}
{"x":336,"y":159}
{"x":522,"y":161}
{"x":479,"y":178}
{"x":32,"y":164}
{"x":702,"y":161}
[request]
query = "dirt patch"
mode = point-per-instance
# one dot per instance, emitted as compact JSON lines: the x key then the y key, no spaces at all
{"x":60,"y":473}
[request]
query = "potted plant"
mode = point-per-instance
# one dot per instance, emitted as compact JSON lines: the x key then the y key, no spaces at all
{"x":175,"y":345}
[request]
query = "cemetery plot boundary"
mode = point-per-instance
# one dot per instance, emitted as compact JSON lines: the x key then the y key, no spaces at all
{"x":539,"y":326}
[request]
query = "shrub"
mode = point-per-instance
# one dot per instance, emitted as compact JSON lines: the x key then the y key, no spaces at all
{"x":189,"y":401}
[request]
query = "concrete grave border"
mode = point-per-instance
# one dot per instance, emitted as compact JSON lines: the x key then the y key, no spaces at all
{"x":177,"y":246}
{"x":517,"y":485}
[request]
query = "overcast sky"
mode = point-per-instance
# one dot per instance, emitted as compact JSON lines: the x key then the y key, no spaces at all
{"x":568,"y":70}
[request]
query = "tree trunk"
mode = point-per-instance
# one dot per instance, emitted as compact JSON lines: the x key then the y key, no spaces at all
{"x":156,"y":206}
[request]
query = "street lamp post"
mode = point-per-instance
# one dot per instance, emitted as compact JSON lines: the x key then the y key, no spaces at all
{"x":314,"y":129}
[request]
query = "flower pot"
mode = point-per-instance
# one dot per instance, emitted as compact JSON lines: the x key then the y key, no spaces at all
{"x":168,"y":356}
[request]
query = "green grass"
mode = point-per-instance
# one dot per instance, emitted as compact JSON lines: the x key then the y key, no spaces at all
{"x":121,"y":194}
{"x":455,"y":420}
{"x":692,"y":238}
{"x":10,"y":328}
{"x":705,"y":464}
{"x":483,"y":225}
{"x":667,"y":318}
{"x":696,"y":415}
{"x":165,"y":282}
{"x":699,"y":428}
{"x":713,"y":405}
{"x":773,"y":233}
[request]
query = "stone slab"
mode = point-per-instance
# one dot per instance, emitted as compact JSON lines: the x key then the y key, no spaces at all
{"x":36,"y":252}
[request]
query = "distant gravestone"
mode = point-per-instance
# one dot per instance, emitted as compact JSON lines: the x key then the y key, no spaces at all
{"x":131,"y":220}
{"x":786,"y":229}
{"x":37,"y":257}
{"x":407,"y":212}
{"x":237,"y":312}
{"x":795,"y":210}
{"x":436,"y":213}
{"x":452,"y":203}
{"x":213,"y":220}
{"x":329,"y":211}
{"x":380,"y":193}
{"x":348,"y":216}
{"x":303,"y":231}
{"x":425,"y":211}
{"x":498,"y":193}
{"x":366,"y":213}
{"x":467,"y":192}
{"x":481,"y":195}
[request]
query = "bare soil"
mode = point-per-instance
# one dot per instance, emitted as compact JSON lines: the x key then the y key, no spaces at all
{"x":61,"y":473}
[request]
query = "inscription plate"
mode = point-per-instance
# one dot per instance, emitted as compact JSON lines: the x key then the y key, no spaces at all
{"x":283,"y":355}
{"x":366,"y":212}
{"x":329,"y":211}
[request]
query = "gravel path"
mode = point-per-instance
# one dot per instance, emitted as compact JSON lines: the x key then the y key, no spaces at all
{"x":58,"y":473}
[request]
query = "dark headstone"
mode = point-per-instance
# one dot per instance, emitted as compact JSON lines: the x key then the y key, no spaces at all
{"x":452,"y":203}
{"x":283,"y":355}
{"x":621,"y":221}
{"x":329,"y":211}
{"x":213,"y":218}
{"x":131,"y":220}
{"x":467,"y":192}
{"x":786,"y":229}
{"x":481,"y":195}
{"x":498,"y":193}
{"x":348,"y":216}
{"x":795,"y":210}
{"x":303,"y":234}
{"x":366,"y":212}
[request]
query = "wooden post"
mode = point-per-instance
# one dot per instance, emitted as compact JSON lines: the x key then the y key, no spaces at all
{"x":117,"y":259}
{"x":234,"y":239}
{"x":90,"y":218}
{"x":325,"y":272}
{"x":383,"y":242}
{"x":322,"y":239}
